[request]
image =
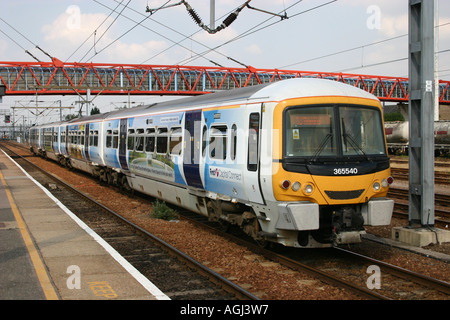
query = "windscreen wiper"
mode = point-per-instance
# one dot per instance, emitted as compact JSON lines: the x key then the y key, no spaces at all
{"x":321,"y":147}
{"x":355,"y":145}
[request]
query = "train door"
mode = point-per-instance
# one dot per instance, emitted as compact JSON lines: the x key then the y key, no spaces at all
{"x":41,"y":139}
{"x":67,"y":140}
{"x":253,"y":125}
{"x":192,"y":153}
{"x":123,"y":144}
{"x":86,"y":142}
{"x":54,"y":139}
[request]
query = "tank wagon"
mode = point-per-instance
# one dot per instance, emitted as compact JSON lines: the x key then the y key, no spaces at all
{"x":397,"y":136}
{"x":300,"y":162}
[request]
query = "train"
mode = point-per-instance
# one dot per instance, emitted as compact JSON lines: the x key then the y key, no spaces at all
{"x":397,"y":136}
{"x":299,"y":162}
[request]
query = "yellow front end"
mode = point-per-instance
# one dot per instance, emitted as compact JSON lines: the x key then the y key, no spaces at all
{"x":328,"y":190}
{"x":331,"y":153}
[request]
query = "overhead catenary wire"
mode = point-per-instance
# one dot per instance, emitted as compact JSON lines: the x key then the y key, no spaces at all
{"x":125,"y":33}
{"x":252,"y":30}
{"x":230,"y":18}
{"x":226,"y":23}
{"x":26,"y":38}
{"x":193,"y":40}
{"x":110,"y":25}
{"x":153,"y":31}
{"x":25,"y":50}
{"x":104,"y":20}
{"x":174,"y":43}
{"x":357,"y":48}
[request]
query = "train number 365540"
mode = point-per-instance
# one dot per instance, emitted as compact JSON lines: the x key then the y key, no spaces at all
{"x":345,"y":171}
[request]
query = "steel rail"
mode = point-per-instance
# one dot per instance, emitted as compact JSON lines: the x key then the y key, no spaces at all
{"x":437,"y":284}
{"x":295,"y":265}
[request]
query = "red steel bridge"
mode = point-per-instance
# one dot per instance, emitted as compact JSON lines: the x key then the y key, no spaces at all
{"x":59,"y":78}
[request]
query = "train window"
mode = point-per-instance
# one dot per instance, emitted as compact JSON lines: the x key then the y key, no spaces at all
{"x":310,"y":132}
{"x":204,"y":140}
{"x":115,"y":137}
{"x":140,"y":140}
{"x":150,"y":140}
{"x":130,"y":140}
{"x":47,"y":139}
{"x":253,"y":140}
{"x":218,"y":142}
{"x":175,"y":145}
{"x":161,"y":141}
{"x":233,"y":142}
{"x":81,"y":137}
{"x":96,"y":138}
{"x":361,"y":131}
{"x":91,"y":138}
{"x":109,"y":138}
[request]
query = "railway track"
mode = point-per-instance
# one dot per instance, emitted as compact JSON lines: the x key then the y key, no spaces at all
{"x":346,"y":269}
{"x":440,"y":164}
{"x":403,"y":174}
{"x":442,"y":206}
{"x":343,"y":276}
{"x":179,"y":276}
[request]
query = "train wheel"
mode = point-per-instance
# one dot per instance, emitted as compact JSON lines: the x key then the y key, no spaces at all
{"x":69,"y":164}
{"x":251,"y":226}
{"x":224,"y":226}
{"x":124,"y":184}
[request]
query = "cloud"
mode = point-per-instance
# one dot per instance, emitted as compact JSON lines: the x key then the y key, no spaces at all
{"x":253,"y":49}
{"x":394,"y":25}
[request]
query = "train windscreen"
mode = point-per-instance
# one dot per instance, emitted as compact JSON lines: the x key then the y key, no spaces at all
{"x":333,"y":131}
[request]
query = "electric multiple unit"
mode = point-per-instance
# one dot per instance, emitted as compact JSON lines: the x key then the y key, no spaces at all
{"x":299,"y":162}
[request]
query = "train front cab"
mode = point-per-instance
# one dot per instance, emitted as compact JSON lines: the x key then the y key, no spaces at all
{"x":331,"y":171}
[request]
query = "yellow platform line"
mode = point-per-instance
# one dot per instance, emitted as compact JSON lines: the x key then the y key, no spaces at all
{"x":44,"y":280}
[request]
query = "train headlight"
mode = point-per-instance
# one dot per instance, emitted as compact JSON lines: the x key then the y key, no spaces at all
{"x":309,"y":189}
{"x":296,"y":186}
{"x":384,"y":183}
{"x":376,"y":186}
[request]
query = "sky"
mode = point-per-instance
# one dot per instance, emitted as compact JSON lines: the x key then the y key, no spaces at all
{"x":350,"y":36}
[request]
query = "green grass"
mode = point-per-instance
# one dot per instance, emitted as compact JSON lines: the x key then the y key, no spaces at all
{"x":162,"y":211}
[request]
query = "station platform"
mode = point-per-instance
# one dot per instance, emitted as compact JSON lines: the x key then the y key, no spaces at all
{"x":47,"y":253}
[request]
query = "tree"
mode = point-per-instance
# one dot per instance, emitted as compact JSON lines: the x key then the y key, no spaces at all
{"x":95,"y":110}
{"x":70,"y":117}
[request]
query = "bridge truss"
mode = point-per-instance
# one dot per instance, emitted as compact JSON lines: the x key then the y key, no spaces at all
{"x":58,"y":78}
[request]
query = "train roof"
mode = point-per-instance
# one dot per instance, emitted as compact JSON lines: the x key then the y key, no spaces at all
{"x":194,"y":102}
{"x":274,"y":91}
